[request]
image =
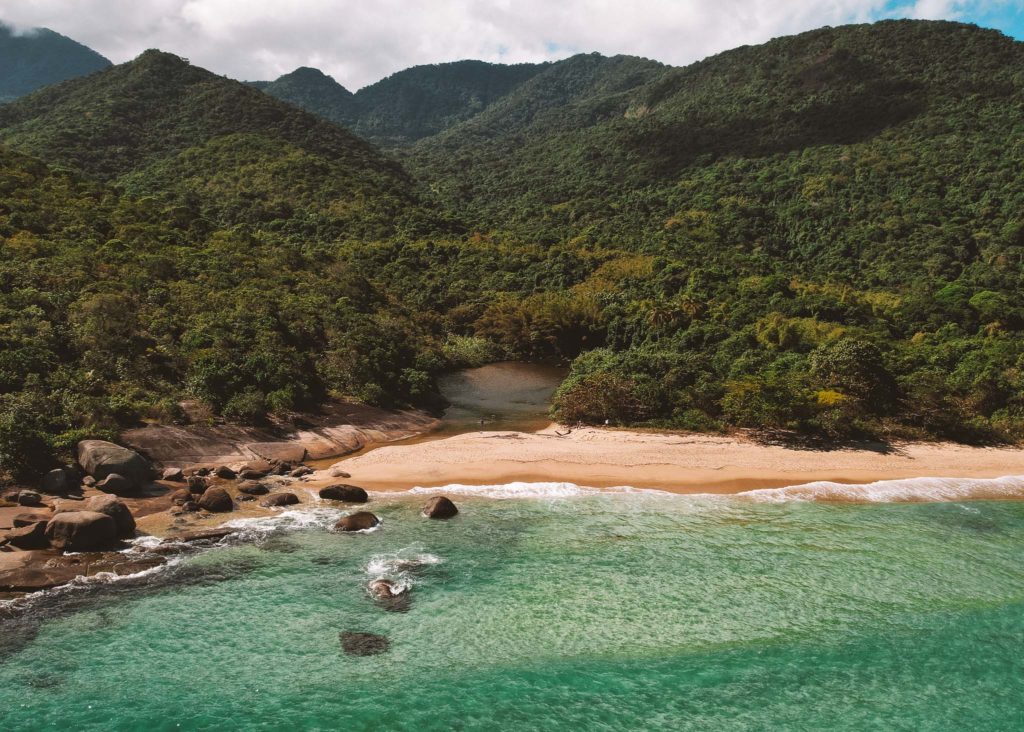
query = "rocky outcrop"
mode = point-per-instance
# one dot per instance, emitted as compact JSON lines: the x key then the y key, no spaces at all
{"x":344,"y":492}
{"x":358,"y":521}
{"x":363,"y":644}
{"x":32,"y":571}
{"x":440,"y":507}
{"x":279,"y":499}
{"x":117,"y":510}
{"x":118,"y":485}
{"x":216,"y":500}
{"x":100,"y":459}
{"x":339,"y":428}
{"x":59,"y":482}
{"x":81,"y":531}
{"x":252,"y":488}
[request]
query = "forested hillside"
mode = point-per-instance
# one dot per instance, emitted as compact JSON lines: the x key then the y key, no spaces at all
{"x":821,"y":235}
{"x":406,"y":106}
{"x":38,"y":57}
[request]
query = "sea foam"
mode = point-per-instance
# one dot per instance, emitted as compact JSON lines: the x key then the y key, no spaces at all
{"x":904,"y":490}
{"x":526,"y":490}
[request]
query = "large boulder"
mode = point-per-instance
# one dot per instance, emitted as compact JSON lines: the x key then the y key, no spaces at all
{"x":440,"y":507}
{"x":224,"y":472}
{"x":111,"y":506}
{"x":99,"y":459}
{"x":197,"y":484}
{"x":216,"y":500}
{"x":358,"y":521}
{"x":279,"y":499}
{"x":81,"y":531}
{"x":29,"y":498}
{"x":344,"y":492}
{"x":118,"y":485}
{"x":59,"y":482}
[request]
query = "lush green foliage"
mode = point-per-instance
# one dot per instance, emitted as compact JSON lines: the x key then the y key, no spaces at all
{"x":40,"y":57}
{"x":821,"y":234}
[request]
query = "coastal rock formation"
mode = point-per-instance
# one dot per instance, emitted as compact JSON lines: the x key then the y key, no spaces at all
{"x":279,"y":499}
{"x":32,"y":536}
{"x":344,"y":492}
{"x":252,"y":474}
{"x":59,"y":482}
{"x":363,"y":644}
{"x":224,"y":472}
{"x":216,"y":500}
{"x":29,"y":498}
{"x":175,"y":475}
{"x":358,"y":521}
{"x":117,"y":510}
{"x":81,"y":531}
{"x":30,"y":518}
{"x":118,"y":485}
{"x":181,"y":496}
{"x":197,"y":484}
{"x":440,"y":507}
{"x":99,"y":459}
{"x":252,"y":488}
{"x":301,"y":471}
{"x":38,"y":570}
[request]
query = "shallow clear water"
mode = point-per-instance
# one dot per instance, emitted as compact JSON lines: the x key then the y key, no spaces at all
{"x":608,"y":612}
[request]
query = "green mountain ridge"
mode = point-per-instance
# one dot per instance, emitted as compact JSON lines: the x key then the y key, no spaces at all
{"x":821,"y":235}
{"x":39,"y":57}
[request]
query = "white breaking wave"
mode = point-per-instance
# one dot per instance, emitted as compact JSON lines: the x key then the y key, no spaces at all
{"x":398,"y":568}
{"x":905,"y":490}
{"x":527,"y":490}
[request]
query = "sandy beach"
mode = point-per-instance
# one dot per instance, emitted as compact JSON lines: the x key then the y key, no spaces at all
{"x":683,"y":463}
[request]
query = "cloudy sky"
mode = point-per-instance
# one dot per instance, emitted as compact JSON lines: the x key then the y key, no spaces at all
{"x":361,"y":41}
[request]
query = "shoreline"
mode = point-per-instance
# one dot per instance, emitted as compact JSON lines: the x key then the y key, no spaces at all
{"x":674,"y":462}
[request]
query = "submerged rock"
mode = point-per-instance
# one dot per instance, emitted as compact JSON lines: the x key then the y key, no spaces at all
{"x":440,"y":507}
{"x":344,"y":492}
{"x":358,"y":521}
{"x":363,"y":644}
{"x":388,"y":596}
{"x":99,"y":459}
{"x":81,"y":531}
{"x":279,"y":499}
{"x":216,"y":500}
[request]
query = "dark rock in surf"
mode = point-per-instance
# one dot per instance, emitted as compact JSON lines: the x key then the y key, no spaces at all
{"x":216,"y":500}
{"x":440,"y":507}
{"x":358,"y":521}
{"x":279,"y":499}
{"x":363,"y":644}
{"x":344,"y":492}
{"x":81,"y":531}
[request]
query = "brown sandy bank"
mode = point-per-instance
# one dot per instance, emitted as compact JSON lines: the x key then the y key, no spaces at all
{"x":679,"y":463}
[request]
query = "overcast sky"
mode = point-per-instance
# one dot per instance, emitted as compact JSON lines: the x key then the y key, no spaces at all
{"x":360,"y":41}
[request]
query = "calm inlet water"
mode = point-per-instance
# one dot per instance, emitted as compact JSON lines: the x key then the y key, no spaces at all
{"x":581,"y":611}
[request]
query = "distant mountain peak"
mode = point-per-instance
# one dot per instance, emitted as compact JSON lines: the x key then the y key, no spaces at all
{"x":37,"y":57}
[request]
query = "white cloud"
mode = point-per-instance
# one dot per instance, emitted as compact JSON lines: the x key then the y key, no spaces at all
{"x":358,"y":42}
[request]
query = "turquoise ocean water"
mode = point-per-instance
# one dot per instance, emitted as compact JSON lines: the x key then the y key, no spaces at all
{"x":550,"y":607}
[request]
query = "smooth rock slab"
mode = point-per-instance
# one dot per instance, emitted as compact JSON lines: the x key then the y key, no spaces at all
{"x":363,"y":644}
